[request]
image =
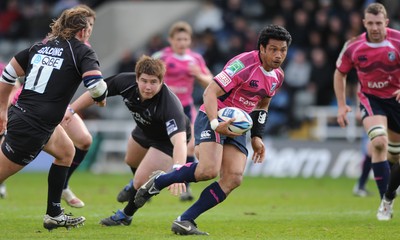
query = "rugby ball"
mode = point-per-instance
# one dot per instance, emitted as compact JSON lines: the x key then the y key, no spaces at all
{"x":242,"y":123}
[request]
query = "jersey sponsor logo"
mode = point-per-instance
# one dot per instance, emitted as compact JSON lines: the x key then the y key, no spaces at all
{"x":273,"y":87}
{"x":51,"y":51}
{"x":139,"y":118}
{"x":246,"y":102}
{"x":223,"y":79}
{"x":362,"y":58}
{"x":253,"y":83}
{"x":9,"y":148}
{"x":205,"y":134}
{"x":47,"y":61}
{"x":391,"y":56}
{"x":234,"y":67}
{"x":171,"y":126}
{"x":378,"y":84}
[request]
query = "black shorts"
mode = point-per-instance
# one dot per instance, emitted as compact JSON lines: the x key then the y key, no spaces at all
{"x":164,"y":146}
{"x":22,"y":142}
{"x":371,"y":105}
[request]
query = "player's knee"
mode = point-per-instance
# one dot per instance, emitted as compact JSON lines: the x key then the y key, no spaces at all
{"x":378,"y":136}
{"x":86,"y":142}
{"x":232,"y":181}
{"x":66,"y":153}
{"x":203,"y":174}
{"x":380,"y":143}
{"x":236,"y":180}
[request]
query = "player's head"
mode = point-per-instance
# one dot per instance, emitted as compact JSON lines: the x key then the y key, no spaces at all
{"x":275,"y":32}
{"x":273,"y":44}
{"x":77,"y":20}
{"x":180,"y":37}
{"x":149,"y":76}
{"x":375,"y":22}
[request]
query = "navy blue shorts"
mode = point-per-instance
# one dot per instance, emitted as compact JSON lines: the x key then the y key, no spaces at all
{"x":22,"y":142}
{"x":204,"y":133}
{"x":371,"y":105}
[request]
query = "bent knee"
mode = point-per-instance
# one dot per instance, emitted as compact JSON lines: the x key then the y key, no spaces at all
{"x":380,"y":143}
{"x":85,"y":142}
{"x":203,"y":174}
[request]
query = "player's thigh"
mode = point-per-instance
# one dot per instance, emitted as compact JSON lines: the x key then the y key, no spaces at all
{"x":372,"y":121}
{"x":78,"y":132}
{"x":61,"y":147}
{"x":210,"y":158}
{"x":233,"y":162}
{"x":7,"y":167}
{"x":152,"y":161}
{"x":393,"y":136}
{"x":134,"y":153}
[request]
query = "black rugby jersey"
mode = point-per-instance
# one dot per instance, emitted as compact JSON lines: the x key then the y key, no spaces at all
{"x":53,"y":72}
{"x":159,"y":117}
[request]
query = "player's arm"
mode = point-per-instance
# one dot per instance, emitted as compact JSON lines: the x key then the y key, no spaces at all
{"x":210,"y":95}
{"x":180,"y":148}
{"x":7,"y":82}
{"x":97,"y":88}
{"x":83,"y":102}
{"x":339,"y":85}
{"x":179,"y":159}
{"x":203,"y":77}
{"x":260,"y":117}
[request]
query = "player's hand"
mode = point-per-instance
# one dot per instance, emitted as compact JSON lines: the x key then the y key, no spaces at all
{"x":259,"y":150}
{"x":3,"y":121}
{"x":68,"y":115}
{"x":342,"y":119}
{"x":194,"y":70}
{"x":177,"y":188}
{"x":224,"y":130}
{"x":397,"y":95}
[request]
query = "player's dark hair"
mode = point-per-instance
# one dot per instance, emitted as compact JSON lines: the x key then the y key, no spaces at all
{"x":70,"y":22}
{"x":275,"y":32}
{"x":375,"y":9}
{"x":150,"y":66}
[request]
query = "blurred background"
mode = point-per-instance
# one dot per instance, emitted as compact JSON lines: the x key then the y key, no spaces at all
{"x":302,"y":137}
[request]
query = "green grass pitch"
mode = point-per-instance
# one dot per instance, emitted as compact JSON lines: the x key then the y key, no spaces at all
{"x":262,"y":208}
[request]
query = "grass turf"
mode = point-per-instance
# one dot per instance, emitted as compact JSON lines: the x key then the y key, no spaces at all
{"x":262,"y":208}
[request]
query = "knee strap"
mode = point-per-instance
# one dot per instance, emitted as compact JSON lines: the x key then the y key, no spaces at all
{"x":394,"y":148}
{"x":375,"y":131}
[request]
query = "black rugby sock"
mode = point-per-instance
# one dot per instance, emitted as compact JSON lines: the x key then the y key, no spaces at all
{"x":394,"y":182}
{"x":366,"y":168}
{"x":78,"y":158}
{"x":131,"y":208}
{"x":55,"y":181}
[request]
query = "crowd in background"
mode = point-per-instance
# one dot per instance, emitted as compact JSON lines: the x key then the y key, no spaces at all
{"x":224,"y":28}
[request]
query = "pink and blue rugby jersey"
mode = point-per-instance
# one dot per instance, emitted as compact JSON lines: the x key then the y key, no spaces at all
{"x":246,"y":82}
{"x":377,"y":64}
{"x":177,"y":77}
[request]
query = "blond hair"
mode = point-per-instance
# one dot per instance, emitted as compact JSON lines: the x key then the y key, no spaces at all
{"x":70,"y":22}
{"x":180,"y":26}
